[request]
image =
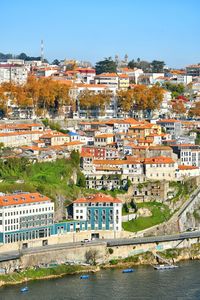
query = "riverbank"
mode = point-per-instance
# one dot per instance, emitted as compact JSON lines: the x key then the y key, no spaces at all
{"x":147,"y":258}
{"x":45,"y":273}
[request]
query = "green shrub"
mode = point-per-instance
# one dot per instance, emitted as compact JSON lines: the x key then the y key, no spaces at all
{"x":110,"y":250}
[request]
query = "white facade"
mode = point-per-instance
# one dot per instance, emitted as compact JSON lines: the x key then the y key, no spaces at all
{"x":13,"y":73}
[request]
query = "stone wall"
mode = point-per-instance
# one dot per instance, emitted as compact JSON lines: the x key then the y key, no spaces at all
{"x":103,"y":253}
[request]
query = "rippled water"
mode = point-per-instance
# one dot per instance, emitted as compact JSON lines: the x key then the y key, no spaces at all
{"x":144,"y":283}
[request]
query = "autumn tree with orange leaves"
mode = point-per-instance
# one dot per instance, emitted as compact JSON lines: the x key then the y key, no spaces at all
{"x":43,"y":94}
{"x":91,"y":100}
{"x":178,"y":107}
{"x":141,"y":98}
{"x":195,"y":110}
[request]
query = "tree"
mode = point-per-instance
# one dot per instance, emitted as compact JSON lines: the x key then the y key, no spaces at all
{"x":55,"y":62}
{"x":90,"y":100}
{"x":22,"y":56}
{"x":75,"y":157}
{"x":106,"y":66}
{"x":195,"y":110}
{"x":140,"y":64}
{"x":175,"y":89}
{"x":125,"y":99}
{"x":81,"y":180}
{"x":178,"y":107}
{"x":133,"y":205}
{"x":91,"y":256}
{"x":157,"y":66}
{"x":125,"y":207}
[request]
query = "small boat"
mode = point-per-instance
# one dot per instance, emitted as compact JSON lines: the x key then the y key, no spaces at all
{"x":127,"y":271}
{"x":24,"y":289}
{"x":84,"y":276}
{"x":164,"y":267}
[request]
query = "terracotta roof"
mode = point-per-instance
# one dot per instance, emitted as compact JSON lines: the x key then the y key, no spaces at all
{"x":142,"y":126}
{"x":123,"y":76}
{"x":73,"y":143}
{"x":182,"y":167}
{"x":168,"y":121}
{"x":107,"y":75}
{"x":20,"y":133}
{"x":96,"y":198}
{"x":86,"y":154}
{"x":104,"y":135}
{"x":159,"y":160}
{"x":20,"y":126}
{"x":53,"y":134}
{"x":23,"y":198}
{"x":116,"y":161}
{"x":160,"y":147}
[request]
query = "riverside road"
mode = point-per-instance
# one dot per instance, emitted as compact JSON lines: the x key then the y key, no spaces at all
{"x":112,"y":242}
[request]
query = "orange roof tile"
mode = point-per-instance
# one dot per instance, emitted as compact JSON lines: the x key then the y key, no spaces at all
{"x":104,"y":135}
{"x":22,"y":198}
{"x":73,"y":143}
{"x":182,"y":167}
{"x":107,"y":75}
{"x":168,"y":121}
{"x":98,"y":198}
{"x":159,"y":160}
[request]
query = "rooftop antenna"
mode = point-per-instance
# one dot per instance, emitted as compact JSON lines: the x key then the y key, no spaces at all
{"x":42,"y":50}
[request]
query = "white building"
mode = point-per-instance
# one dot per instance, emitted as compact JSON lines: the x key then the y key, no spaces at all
{"x":13,"y":73}
{"x":25,"y":216}
{"x":102,"y":212}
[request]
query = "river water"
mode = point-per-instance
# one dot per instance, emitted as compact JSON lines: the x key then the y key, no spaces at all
{"x":144,"y":283}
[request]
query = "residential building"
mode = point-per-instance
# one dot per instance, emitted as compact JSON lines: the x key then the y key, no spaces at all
{"x":171,"y":126}
{"x":13,"y":73}
{"x":160,"y":168}
{"x":103,"y":139}
{"x":193,"y":70}
{"x":187,"y":171}
{"x":123,"y":81}
{"x":102,"y":212}
{"x":25,"y":216}
{"x":53,"y":138}
{"x":109,"y":79}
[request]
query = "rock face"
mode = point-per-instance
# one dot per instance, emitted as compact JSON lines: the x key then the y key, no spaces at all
{"x":60,"y":208}
{"x":144,"y":212}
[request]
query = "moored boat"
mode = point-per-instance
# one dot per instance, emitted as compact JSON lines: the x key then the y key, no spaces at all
{"x":164,"y":267}
{"x":84,"y":276}
{"x":24,"y":289}
{"x":127,"y":271}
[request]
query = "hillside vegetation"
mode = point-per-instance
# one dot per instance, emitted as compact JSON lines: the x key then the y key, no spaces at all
{"x":59,"y":178}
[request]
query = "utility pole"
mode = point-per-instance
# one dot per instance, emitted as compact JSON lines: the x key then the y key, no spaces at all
{"x":42,"y":51}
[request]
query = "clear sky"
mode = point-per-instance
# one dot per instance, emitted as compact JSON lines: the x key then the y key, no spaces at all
{"x":166,"y":30}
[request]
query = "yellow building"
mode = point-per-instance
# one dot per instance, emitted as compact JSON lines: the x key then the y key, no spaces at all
{"x":123,"y":81}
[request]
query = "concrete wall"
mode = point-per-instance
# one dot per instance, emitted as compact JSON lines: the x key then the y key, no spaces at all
{"x":78,"y":253}
{"x":69,"y":237}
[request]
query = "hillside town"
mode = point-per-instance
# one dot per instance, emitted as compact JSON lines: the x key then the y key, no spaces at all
{"x":94,"y":158}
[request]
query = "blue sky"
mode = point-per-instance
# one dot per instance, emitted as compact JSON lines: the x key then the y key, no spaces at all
{"x":93,"y":29}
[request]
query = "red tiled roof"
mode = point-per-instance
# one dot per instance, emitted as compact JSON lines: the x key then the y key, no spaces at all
{"x":168,"y":121}
{"x":159,"y":160}
{"x":23,"y":198}
{"x":182,"y":167}
{"x":98,"y":198}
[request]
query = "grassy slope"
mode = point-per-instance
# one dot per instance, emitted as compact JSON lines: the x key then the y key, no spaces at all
{"x":50,"y":178}
{"x":160,"y":213}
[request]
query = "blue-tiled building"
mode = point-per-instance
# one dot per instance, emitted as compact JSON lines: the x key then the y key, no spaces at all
{"x":102,"y":212}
